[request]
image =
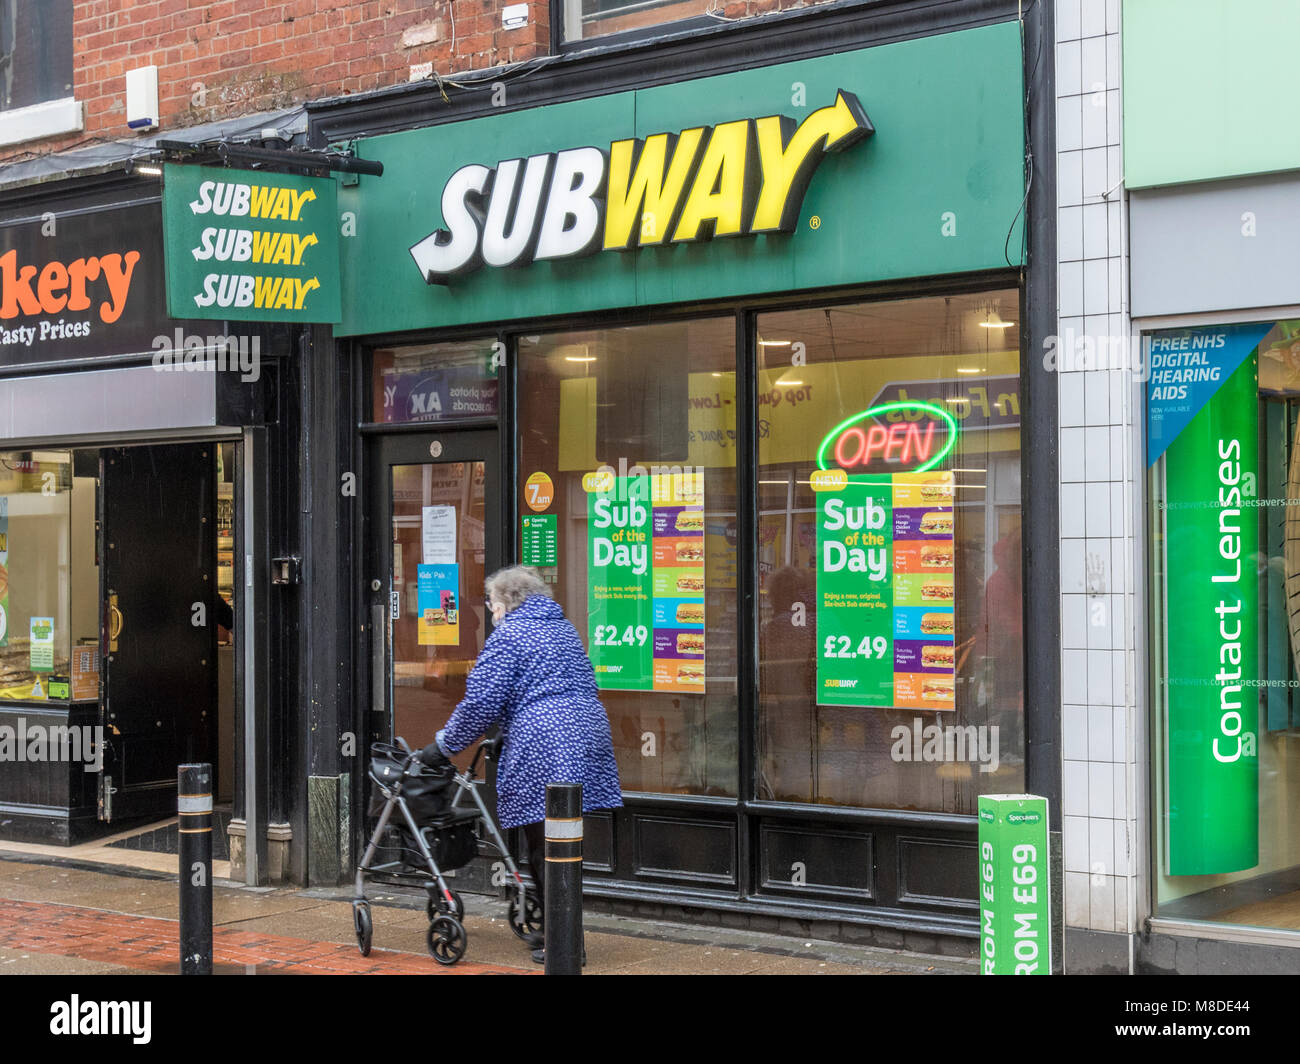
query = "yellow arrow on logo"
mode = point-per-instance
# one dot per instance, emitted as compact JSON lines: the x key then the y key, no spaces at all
{"x":790,"y":155}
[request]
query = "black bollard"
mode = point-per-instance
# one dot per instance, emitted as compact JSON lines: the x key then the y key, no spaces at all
{"x":563,"y":916}
{"x":194,"y":804}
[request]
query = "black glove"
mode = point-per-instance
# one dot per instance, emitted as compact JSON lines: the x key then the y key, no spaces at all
{"x":433,"y":756}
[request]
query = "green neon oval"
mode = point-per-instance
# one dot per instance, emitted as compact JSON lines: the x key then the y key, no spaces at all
{"x":931,"y":408}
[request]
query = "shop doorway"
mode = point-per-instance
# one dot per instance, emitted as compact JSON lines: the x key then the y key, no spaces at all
{"x":435,"y":534}
{"x":165,"y":537}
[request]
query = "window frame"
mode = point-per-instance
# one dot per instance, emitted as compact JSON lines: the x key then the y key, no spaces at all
{"x":560,"y":43}
{"x":60,"y":114}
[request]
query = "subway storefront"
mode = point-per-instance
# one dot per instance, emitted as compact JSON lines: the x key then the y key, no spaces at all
{"x":736,"y":362}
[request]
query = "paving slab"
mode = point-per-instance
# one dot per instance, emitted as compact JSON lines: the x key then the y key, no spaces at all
{"x":288,"y":929}
{"x":24,"y":962}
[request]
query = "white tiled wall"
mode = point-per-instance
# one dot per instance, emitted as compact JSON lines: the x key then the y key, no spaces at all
{"x":1099,"y":435}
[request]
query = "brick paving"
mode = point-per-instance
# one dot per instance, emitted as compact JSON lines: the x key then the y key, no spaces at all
{"x":151,"y":944}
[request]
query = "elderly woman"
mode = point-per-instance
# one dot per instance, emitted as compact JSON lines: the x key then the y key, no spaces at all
{"x":535,"y":682}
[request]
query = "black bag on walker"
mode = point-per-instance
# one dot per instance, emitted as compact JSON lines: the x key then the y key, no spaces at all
{"x":427,"y":791}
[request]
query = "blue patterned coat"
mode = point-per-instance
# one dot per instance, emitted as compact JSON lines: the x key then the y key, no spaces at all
{"x":535,"y":681}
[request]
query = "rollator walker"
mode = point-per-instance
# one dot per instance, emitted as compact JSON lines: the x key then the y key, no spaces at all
{"x":439,"y":832}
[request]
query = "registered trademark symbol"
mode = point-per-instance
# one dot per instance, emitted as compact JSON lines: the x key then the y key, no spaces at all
{"x":815,"y":222}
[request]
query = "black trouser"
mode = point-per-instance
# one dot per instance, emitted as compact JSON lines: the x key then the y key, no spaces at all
{"x":535,"y":838}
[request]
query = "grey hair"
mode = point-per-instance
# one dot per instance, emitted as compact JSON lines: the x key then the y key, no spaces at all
{"x":515,"y":583}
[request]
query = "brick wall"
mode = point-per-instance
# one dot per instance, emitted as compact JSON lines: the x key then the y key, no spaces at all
{"x":223,"y":58}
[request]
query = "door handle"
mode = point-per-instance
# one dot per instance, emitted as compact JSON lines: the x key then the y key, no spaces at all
{"x":378,"y":659}
{"x":115,"y":621}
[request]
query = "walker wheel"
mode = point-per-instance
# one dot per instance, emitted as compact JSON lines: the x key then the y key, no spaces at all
{"x":363,"y":926}
{"x":446,"y":940}
{"x":457,"y":907}
{"x":530,"y":922}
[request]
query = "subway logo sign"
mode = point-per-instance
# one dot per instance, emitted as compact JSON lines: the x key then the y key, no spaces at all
{"x":733,"y":179}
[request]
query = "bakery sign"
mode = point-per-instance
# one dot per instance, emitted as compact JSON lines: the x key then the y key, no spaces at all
{"x":739,"y":178}
{"x":79,"y":282}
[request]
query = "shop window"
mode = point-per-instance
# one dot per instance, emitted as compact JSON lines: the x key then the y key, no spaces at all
{"x":627,"y":473}
{"x":584,"y":19}
{"x":1224,"y":471}
{"x":35,"y":52}
{"x":47,"y":548}
{"x":891,"y":644}
{"x":435,"y":382}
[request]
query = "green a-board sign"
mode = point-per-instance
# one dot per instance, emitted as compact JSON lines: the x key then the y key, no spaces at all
{"x":1014,"y":885}
{"x":244,"y":245}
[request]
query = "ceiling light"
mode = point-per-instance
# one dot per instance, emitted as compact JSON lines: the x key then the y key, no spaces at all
{"x":788,"y":384}
{"x":968,"y":369}
{"x":774,"y":343}
{"x":579,"y":358}
{"x":995,"y":322}
{"x":151,"y":171}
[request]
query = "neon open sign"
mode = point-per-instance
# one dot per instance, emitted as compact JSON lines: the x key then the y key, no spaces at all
{"x":854,"y":445}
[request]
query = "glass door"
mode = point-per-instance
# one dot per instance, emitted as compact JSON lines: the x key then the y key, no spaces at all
{"x":435,"y":535}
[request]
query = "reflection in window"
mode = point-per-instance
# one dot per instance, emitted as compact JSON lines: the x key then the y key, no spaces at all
{"x":1224,"y":428}
{"x":435,"y":382}
{"x":890,"y":640}
{"x":636,"y":429}
{"x":35,"y":52}
{"x":584,"y":19}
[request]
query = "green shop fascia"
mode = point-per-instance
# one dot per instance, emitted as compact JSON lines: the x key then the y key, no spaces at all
{"x":889,"y":172}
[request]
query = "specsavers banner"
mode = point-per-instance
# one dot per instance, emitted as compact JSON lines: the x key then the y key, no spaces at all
{"x":245,"y":245}
{"x":1203,"y":422}
{"x":645,"y":568}
{"x":886,"y":605}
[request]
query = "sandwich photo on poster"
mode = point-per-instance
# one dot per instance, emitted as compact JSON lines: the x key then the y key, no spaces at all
{"x":678,"y":550}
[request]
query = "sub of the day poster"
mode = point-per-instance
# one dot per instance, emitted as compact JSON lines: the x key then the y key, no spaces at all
{"x":438,"y":602}
{"x":645,"y":597}
{"x":886,"y":610}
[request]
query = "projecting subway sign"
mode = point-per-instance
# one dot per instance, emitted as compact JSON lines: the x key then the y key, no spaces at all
{"x":734,"y":179}
{"x":244,"y":245}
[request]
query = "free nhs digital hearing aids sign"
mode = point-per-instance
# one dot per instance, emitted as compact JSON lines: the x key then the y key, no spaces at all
{"x":1203,"y":448}
{"x":245,"y":245}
